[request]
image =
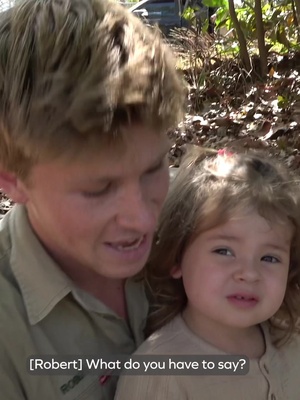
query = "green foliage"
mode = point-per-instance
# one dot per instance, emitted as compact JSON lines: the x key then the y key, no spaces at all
{"x":216,"y":3}
{"x":282,"y":101}
{"x":195,"y":18}
{"x":189,"y":14}
{"x":281,"y":32}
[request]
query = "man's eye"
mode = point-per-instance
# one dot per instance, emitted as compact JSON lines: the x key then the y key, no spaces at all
{"x":223,"y":252}
{"x":157,"y":167}
{"x":270,"y":259}
{"x":96,"y":193}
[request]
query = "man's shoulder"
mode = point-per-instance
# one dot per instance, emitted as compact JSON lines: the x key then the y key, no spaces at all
{"x":11,"y":302}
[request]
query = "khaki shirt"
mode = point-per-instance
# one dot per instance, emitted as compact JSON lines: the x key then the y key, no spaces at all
{"x":42,"y":313}
{"x":275,"y":376}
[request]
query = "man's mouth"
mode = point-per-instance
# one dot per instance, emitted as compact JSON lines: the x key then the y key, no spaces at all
{"x":128,"y":245}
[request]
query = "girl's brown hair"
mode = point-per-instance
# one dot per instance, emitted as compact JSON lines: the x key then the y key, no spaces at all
{"x":206,"y":192}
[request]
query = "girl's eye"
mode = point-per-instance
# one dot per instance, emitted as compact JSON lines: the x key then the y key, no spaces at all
{"x":223,"y":252}
{"x":270,"y":259}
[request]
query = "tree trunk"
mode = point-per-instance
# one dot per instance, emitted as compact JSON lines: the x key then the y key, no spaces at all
{"x":295,"y":13}
{"x":261,"y":39}
{"x":241,"y":38}
{"x":297,"y":4}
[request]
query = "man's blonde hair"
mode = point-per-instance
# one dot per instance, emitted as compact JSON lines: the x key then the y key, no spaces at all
{"x":76,"y":71}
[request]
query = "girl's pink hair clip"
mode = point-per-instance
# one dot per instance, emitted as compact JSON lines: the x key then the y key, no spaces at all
{"x":224,"y":152}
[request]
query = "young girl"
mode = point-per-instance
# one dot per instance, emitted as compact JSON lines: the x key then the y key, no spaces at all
{"x":225,"y":274}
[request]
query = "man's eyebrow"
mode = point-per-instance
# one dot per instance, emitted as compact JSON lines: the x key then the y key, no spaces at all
{"x":107,"y":178}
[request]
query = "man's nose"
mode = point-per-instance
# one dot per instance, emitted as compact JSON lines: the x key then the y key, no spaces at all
{"x":137,"y":211}
{"x":247,"y":270}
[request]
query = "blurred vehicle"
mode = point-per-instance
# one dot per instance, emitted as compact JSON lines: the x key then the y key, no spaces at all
{"x":164,"y":13}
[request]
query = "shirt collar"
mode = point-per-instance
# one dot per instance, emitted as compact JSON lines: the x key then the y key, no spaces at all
{"x":42,"y":283}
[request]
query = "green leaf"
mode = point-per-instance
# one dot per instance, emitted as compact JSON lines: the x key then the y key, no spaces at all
{"x":282,"y":101}
{"x":221,"y":16}
{"x":278,"y":48}
{"x":216,"y":3}
{"x":189,"y":14}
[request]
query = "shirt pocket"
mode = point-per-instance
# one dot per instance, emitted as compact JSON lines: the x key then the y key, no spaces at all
{"x":88,"y":387}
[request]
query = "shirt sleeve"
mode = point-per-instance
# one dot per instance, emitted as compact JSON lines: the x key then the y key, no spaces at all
{"x":148,"y":387}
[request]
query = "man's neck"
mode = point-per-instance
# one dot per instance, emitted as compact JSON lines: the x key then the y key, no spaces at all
{"x":110,"y":292}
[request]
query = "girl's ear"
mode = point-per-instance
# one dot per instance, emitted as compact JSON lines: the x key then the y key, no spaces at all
{"x":176,"y":272}
{"x":12,"y":187}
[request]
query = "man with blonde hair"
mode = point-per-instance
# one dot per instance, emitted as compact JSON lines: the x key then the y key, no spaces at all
{"x":87,"y":94}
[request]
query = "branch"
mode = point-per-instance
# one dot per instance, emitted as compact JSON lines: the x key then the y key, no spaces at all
{"x":241,"y":38}
{"x":261,"y":39}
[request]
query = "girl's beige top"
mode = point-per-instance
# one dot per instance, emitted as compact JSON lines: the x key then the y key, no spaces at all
{"x":275,"y":376}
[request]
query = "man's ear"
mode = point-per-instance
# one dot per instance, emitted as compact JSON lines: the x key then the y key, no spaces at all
{"x":176,"y":272}
{"x":11,"y":185}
